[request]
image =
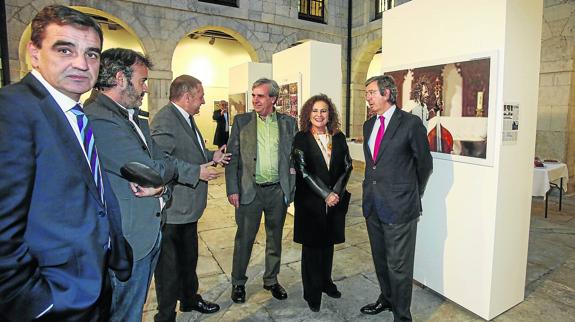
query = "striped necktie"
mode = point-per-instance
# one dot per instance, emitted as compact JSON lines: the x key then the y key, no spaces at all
{"x":89,"y":147}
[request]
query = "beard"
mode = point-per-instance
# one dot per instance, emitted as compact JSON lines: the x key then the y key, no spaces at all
{"x":132,"y":98}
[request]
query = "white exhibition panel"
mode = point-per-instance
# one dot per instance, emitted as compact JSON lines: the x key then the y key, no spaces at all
{"x":316,"y":65}
{"x":473,"y":235}
{"x":244,"y":75}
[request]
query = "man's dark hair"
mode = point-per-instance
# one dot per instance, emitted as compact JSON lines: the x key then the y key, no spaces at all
{"x":385,"y":82}
{"x":62,"y":16}
{"x":183,"y":84}
{"x":117,"y":60}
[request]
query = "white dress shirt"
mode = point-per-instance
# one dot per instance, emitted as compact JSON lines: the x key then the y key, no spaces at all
{"x":66,"y":104}
{"x":387,"y":115}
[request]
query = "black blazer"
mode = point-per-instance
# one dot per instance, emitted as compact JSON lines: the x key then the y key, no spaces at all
{"x":313,"y":224}
{"x":395,"y":181}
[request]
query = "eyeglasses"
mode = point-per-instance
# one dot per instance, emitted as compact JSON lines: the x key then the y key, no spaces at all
{"x":370,"y":93}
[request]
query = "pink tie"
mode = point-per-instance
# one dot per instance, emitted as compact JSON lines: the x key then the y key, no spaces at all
{"x":379,"y":136}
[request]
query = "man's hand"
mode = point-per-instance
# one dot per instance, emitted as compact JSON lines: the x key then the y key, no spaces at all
{"x":140,"y":191}
{"x":208,"y":173}
{"x":221,"y":157}
{"x":234,"y":200}
{"x":332,"y":199}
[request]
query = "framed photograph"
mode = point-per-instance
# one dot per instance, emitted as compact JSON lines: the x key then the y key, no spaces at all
{"x":290,"y":96}
{"x":237,"y":105}
{"x":455,"y":101}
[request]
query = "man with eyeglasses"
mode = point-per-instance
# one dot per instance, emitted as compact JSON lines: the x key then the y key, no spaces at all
{"x":397,"y":166}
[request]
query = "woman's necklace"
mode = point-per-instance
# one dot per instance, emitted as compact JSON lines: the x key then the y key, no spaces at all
{"x":324,"y":142}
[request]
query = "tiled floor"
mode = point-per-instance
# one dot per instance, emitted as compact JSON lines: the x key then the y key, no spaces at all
{"x":550,"y":289}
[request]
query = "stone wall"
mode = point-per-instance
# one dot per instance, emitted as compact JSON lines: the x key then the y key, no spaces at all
{"x":556,"y":113}
{"x":264,"y":28}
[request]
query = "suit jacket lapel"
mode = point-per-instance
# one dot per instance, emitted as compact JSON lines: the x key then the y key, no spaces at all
{"x":57,"y":119}
{"x":189,"y":130}
{"x":366,"y":136}
{"x":389,"y":132}
{"x":249,"y":141}
{"x":109,"y":104}
{"x":317,"y":155}
{"x":284,"y":138}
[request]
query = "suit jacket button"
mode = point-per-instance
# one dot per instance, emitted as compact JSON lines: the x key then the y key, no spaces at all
{"x":158,"y":214}
{"x":255,"y":159}
{"x":101,"y":213}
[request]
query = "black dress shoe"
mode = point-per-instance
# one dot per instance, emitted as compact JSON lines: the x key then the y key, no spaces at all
{"x":313,"y":306}
{"x":201,"y":305}
{"x":277,"y":291}
{"x":375,"y":308}
{"x":332,"y":291}
{"x":238,"y":293}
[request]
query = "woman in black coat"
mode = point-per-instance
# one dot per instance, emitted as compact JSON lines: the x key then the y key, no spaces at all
{"x":323,"y":167}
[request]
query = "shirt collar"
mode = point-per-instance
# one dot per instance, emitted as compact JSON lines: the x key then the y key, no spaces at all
{"x":185,"y":114}
{"x":61,"y":99}
{"x":272,"y":117}
{"x":388,"y":113}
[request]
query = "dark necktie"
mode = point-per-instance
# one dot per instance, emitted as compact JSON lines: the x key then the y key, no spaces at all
{"x":195,"y":130}
{"x":379,"y":136}
{"x":89,"y":147}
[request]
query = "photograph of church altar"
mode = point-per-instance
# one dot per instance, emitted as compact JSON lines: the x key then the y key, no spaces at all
{"x":452,"y":101}
{"x":288,"y":99}
{"x":237,"y":105}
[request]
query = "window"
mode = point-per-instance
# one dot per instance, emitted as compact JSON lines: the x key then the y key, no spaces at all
{"x":229,"y":3}
{"x":312,"y":10}
{"x":381,"y":6}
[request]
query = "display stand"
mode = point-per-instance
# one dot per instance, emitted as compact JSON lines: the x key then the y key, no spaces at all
{"x":243,"y":76}
{"x":316,"y":66}
{"x":473,"y":236}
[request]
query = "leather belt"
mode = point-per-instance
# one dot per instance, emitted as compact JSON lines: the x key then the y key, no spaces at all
{"x":267,"y":184}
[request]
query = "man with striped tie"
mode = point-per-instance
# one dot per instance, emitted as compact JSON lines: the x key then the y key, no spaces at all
{"x":60,"y":225}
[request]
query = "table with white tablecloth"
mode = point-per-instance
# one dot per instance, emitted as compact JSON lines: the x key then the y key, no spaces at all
{"x":551,"y":174}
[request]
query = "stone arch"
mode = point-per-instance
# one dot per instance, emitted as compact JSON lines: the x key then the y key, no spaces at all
{"x":234,"y":28}
{"x":360,"y":64}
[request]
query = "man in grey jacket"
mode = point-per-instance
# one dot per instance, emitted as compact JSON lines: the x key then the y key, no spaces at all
{"x":260,"y":178}
{"x":123,"y":137}
{"x":175,"y":131}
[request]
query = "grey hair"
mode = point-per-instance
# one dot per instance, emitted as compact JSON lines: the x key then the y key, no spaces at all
{"x":385,"y":82}
{"x":273,"y":87}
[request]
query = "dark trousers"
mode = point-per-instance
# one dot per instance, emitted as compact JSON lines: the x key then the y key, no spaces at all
{"x":316,"y":263}
{"x":393,"y":252}
{"x":270,"y":201}
{"x":175,"y":274}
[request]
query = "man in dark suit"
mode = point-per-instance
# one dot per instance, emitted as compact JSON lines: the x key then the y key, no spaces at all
{"x":260,"y":178}
{"x":397,"y":166}
{"x":124,"y":137}
{"x":222,"y":118}
{"x":60,"y":225}
{"x":176,"y":133}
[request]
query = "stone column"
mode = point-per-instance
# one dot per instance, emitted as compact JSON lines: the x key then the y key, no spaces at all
{"x":159,"y":86}
{"x":357,"y":109}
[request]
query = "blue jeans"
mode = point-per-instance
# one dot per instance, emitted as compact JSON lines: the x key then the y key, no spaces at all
{"x":128,"y":298}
